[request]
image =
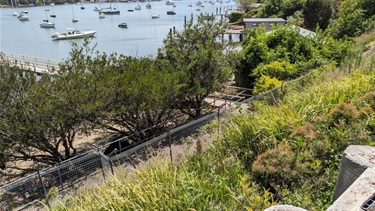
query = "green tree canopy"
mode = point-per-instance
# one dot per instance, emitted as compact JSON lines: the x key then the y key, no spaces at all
{"x":317,"y":12}
{"x":42,"y":115}
{"x":200,"y":54}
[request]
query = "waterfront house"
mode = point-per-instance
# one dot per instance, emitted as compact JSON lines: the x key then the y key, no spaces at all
{"x":251,"y":23}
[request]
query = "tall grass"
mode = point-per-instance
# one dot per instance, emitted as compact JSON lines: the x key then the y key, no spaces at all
{"x":317,"y":152}
{"x":197,"y":184}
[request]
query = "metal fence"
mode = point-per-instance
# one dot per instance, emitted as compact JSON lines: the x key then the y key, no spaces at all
{"x":70,"y":172}
{"x":61,"y":176}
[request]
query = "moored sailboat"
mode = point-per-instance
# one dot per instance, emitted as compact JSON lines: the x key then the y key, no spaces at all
{"x":47,"y":24}
{"x":13,"y":7}
{"x":110,"y":10}
{"x":74,"y":19}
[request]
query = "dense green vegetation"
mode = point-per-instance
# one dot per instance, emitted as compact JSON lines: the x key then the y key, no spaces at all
{"x":342,"y":18}
{"x":284,"y":149}
{"x":285,"y":48}
{"x":285,"y":54}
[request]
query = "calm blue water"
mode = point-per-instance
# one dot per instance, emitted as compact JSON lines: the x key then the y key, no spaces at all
{"x":142,"y":37}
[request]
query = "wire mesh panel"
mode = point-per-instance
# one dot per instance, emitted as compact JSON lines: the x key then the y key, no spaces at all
{"x":139,"y":149}
{"x":20,"y":191}
{"x":61,"y":175}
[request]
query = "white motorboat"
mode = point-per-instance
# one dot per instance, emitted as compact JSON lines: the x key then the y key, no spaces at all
{"x":23,"y":17}
{"x":148,"y":6}
{"x":47,"y":24}
{"x":101,"y":15}
{"x":73,"y":34}
{"x":155,"y":16}
{"x":97,"y":9}
{"x":138,"y":7}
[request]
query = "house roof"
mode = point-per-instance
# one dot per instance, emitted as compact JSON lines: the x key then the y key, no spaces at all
{"x":303,"y":32}
{"x":263,"y":20}
{"x":256,"y":5}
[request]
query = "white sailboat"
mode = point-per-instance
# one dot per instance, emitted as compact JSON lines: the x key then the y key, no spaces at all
{"x":45,"y":7}
{"x":169,"y":2}
{"x":110,"y":10}
{"x":53,"y":13}
{"x":14,"y":7}
{"x":74,"y":19}
{"x":46,"y":23}
{"x":154,"y":16}
{"x":82,"y":6}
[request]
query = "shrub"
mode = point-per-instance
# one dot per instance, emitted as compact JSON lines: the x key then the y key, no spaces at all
{"x":235,"y":17}
{"x":275,"y":167}
{"x":369,"y":99}
{"x":344,"y":113}
{"x":266,"y":83}
{"x":281,"y":70}
{"x":305,"y":131}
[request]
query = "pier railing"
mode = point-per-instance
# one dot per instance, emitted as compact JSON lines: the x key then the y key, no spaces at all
{"x":32,"y":63}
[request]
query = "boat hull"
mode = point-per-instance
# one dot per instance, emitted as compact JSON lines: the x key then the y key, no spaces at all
{"x":47,"y":25}
{"x":111,"y":12}
{"x":123,"y":25}
{"x":66,"y":36}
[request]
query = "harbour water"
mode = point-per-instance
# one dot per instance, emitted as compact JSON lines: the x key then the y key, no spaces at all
{"x":143,"y":36}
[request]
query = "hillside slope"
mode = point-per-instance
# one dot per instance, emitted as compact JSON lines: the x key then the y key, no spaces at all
{"x":284,"y":149}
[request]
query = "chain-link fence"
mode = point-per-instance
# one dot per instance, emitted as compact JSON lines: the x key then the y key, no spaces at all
{"x":61,"y":176}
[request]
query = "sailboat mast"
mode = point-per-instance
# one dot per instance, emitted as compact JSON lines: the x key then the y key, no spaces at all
{"x":14,"y":7}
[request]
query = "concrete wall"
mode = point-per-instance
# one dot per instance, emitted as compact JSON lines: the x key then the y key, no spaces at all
{"x":355,"y":160}
{"x":355,"y":186}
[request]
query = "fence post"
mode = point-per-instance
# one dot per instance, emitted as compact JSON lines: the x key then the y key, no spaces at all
{"x":100,"y":160}
{"x":61,"y":182}
{"x":41,"y":182}
{"x":170,"y":145}
{"x":218,"y":120}
{"x":110,"y":164}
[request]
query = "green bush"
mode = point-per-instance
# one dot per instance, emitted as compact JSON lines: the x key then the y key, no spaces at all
{"x":235,"y":17}
{"x":282,"y":70}
{"x":265,"y":83}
